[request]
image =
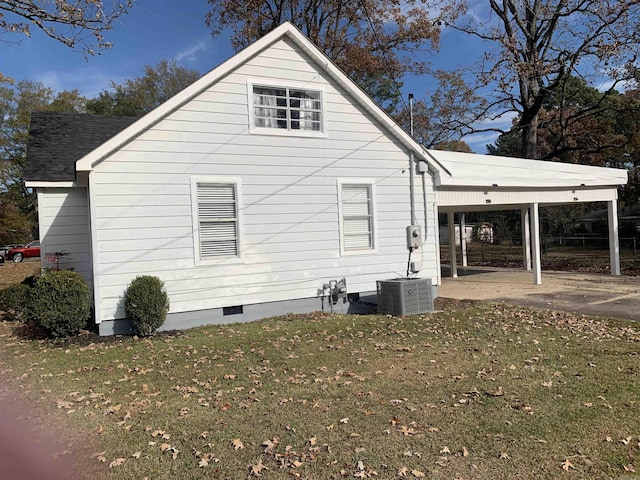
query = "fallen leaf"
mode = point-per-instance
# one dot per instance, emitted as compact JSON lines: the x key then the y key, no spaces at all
{"x":417,"y":473}
{"x":567,"y":465}
{"x":498,"y":392}
{"x":445,"y":450}
{"x":237,"y":444}
{"x":117,"y":462}
{"x":270,"y":445}
{"x":257,"y":468}
{"x":406,"y":431}
{"x":136,"y":454}
{"x":344,"y":420}
{"x":402,"y":472}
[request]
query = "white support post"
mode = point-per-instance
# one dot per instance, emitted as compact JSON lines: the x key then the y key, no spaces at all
{"x":526,"y":238}
{"x":437,"y":234}
{"x":535,"y":243}
{"x":614,"y":246}
{"x":463,"y":239}
{"x":452,"y":244}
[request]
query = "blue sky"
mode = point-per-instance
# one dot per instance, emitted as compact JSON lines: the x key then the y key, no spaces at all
{"x":162,"y":29}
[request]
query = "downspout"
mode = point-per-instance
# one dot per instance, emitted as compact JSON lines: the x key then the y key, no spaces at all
{"x":411,"y":166}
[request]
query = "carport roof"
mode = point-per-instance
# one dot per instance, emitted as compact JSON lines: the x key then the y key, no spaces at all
{"x":473,"y":170}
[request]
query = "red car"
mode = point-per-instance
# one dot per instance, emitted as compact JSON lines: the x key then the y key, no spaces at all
{"x":18,"y":254}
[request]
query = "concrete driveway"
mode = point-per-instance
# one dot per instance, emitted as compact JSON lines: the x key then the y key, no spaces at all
{"x":591,"y":294}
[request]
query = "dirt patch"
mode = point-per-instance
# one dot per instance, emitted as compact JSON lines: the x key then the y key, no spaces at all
{"x":11,"y":272}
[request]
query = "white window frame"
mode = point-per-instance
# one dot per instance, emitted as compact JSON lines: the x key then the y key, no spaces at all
{"x":323,"y":133}
{"x":226,"y":259}
{"x":373,"y":213}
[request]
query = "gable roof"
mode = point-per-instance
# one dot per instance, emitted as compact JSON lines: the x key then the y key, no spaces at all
{"x":473,"y":170}
{"x":288,"y":30}
{"x":58,"y":140}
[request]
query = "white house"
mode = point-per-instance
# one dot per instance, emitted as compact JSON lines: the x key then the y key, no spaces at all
{"x":254,"y":188}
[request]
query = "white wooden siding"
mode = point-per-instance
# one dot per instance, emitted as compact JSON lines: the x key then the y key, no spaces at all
{"x":64,"y":227}
{"x":291,"y":243}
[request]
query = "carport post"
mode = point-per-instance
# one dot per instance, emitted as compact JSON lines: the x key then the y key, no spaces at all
{"x":535,"y":243}
{"x":614,"y":246}
{"x":463,"y":239}
{"x":526,"y":238}
{"x":452,"y":244}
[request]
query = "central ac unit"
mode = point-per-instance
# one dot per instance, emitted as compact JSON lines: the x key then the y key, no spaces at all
{"x":405,"y":296}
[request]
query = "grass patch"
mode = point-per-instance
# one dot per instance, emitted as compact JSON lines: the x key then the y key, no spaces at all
{"x":473,"y":391}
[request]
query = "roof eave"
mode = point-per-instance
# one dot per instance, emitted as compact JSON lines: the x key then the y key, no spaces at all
{"x":50,"y":184}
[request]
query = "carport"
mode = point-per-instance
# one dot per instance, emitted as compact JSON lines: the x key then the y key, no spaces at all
{"x":469,"y":182}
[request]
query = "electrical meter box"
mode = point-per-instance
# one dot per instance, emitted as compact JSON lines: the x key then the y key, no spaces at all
{"x":414,"y":236}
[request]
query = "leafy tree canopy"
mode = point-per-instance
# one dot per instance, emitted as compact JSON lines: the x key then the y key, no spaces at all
{"x":142,"y":94}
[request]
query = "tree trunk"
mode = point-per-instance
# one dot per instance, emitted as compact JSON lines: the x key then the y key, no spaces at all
{"x":530,"y":138}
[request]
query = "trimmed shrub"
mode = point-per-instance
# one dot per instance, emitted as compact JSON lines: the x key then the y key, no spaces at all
{"x":146,"y":304}
{"x":13,"y":301}
{"x":31,"y":280}
{"x":60,"y":303}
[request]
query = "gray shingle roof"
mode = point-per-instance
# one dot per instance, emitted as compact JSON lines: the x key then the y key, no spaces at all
{"x":58,"y":140}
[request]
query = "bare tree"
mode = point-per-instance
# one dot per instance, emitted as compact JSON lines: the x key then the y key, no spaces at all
{"x":443,"y":116}
{"x":79,"y":24}
{"x":537,"y":44}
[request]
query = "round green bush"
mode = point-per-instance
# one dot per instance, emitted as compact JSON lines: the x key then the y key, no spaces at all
{"x":13,"y":301}
{"x":60,"y":302}
{"x":146,"y":304}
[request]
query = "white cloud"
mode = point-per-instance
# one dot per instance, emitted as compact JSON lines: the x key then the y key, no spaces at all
{"x":190,"y":54}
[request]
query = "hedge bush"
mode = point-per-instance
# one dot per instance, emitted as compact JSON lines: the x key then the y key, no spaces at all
{"x":13,"y":301}
{"x":60,"y":303}
{"x":146,"y":304}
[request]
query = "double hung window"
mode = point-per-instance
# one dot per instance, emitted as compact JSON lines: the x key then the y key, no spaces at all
{"x":357,"y":217}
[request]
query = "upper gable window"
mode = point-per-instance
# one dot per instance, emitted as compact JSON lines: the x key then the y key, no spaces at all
{"x":287,"y":110}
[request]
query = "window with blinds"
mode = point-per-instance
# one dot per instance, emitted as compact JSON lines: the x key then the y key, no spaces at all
{"x":357,"y":217}
{"x":217,"y":212}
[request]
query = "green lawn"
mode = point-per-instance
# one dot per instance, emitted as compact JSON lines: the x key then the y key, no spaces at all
{"x":475,"y":391}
